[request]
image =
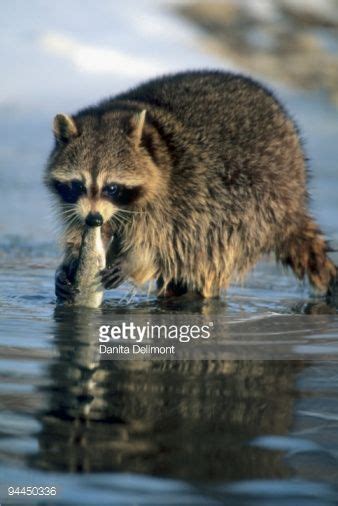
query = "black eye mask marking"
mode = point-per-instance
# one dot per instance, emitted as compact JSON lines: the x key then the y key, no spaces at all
{"x":121,"y":195}
{"x":70,"y":192}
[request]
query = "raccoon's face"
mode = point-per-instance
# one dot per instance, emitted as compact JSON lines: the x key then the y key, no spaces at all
{"x":99,"y":168}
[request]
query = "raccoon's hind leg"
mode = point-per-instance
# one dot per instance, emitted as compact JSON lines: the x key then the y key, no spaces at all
{"x":305,"y":251}
{"x":178,"y":288}
{"x":173,"y":288}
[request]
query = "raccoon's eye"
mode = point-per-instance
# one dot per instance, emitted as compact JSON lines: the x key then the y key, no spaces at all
{"x":121,"y":195}
{"x":70,"y":192}
{"x":110,"y":190}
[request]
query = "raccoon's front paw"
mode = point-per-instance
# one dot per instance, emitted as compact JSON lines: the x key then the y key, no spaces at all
{"x":112,"y":277}
{"x":65,"y":291}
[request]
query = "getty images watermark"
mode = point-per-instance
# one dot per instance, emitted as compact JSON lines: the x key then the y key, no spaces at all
{"x":146,"y":338}
{"x":216,"y":337}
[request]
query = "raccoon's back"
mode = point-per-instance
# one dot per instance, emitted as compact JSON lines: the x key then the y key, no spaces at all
{"x":216,"y":105}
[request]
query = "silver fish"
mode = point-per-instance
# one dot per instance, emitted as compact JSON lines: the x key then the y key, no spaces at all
{"x":92,"y":260}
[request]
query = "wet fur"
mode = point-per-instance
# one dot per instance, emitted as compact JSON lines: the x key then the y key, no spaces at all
{"x":223,"y":178}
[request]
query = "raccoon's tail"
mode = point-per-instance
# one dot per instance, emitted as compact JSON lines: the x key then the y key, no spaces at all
{"x":306,"y":252}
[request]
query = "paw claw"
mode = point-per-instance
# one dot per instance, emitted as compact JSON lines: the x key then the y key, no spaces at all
{"x":64,"y":290}
{"x":112,"y":278}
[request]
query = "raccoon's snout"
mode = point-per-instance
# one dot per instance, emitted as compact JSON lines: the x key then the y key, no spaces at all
{"x":94,"y":220}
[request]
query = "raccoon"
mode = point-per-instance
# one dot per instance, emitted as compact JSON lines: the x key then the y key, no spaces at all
{"x":194,"y":176}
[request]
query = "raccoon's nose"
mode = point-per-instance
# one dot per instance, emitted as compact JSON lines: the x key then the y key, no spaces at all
{"x":94,"y":220}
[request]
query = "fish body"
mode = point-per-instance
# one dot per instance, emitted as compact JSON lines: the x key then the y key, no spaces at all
{"x":92,"y":260}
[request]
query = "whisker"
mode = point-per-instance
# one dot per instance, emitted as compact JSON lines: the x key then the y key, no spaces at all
{"x":128,"y":211}
{"x":118,"y":221}
{"x":122,"y":219}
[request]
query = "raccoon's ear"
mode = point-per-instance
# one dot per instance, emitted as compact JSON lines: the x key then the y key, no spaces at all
{"x":137,"y":124}
{"x":64,"y":128}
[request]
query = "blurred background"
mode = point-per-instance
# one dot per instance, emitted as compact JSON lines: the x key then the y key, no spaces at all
{"x":294,"y":42}
{"x":213,"y":432}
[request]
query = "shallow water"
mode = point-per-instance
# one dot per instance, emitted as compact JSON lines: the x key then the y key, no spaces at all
{"x":241,"y":428}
